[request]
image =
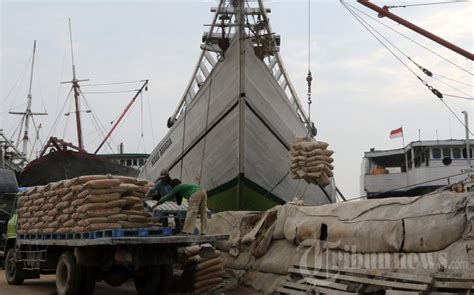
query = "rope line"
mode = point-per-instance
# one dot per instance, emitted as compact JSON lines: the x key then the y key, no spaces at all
{"x":15,"y":85}
{"x":184,"y":134}
{"x":408,"y":38}
{"x":110,"y":92}
{"x":451,"y":86}
{"x":112,"y":83}
{"x":426,"y":4}
{"x":433,"y":90}
{"x":457,"y":81}
{"x":151,"y":118}
{"x":101,"y":131}
{"x":309,"y":77}
{"x":39,"y":85}
{"x":56,"y":121}
{"x":207,"y":126}
{"x":457,"y":96}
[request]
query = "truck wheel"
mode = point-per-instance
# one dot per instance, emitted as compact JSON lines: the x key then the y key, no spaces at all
{"x":88,"y":277}
{"x":147,"y":281}
{"x":13,"y":270}
{"x":166,"y":279}
{"x":68,"y":275}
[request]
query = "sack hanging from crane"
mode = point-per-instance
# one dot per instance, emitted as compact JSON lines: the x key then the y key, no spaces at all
{"x":311,"y":160}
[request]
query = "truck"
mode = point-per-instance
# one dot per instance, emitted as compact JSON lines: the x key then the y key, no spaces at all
{"x":8,"y":189}
{"x":79,"y":260}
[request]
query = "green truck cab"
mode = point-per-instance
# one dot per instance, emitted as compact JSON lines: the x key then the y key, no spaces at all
{"x":12,"y":222}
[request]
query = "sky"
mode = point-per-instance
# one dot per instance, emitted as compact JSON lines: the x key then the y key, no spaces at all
{"x":360,"y":90}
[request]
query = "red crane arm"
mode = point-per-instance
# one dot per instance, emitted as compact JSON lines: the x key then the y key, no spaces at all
{"x":144,"y":86}
{"x":384,"y":12}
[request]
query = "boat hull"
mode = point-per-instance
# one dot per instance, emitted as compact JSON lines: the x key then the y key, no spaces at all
{"x":61,"y":165}
{"x":237,"y":144}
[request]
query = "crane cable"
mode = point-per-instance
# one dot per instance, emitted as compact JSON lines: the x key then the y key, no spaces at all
{"x":410,"y":39}
{"x":309,"y":77}
{"x":423,"y":69}
{"x":431,"y":88}
{"x":425,"y":4}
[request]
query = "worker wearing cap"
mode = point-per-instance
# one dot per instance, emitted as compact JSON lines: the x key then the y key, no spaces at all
{"x":162,"y":186}
{"x":197,"y":203}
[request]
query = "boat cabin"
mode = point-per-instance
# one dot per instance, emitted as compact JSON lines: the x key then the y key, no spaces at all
{"x":418,"y":168}
{"x":127,"y":159}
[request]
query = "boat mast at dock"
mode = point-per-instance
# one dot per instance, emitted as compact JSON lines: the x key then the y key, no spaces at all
{"x":76,"y":90}
{"x":27,"y":115}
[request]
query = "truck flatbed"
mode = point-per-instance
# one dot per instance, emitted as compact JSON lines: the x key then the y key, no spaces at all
{"x":175,"y":240}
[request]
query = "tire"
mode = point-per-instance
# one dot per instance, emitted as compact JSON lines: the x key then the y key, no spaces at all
{"x":88,"y":280}
{"x":68,"y":275}
{"x":13,"y":271}
{"x":166,"y":279}
{"x":147,"y":281}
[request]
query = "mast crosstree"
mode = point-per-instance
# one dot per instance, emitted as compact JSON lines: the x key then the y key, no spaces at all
{"x":27,"y":114}
{"x":76,"y":91}
{"x":252,"y":22}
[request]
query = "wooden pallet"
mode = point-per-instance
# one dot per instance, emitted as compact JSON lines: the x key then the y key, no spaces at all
{"x":453,"y":283}
{"x":340,"y":281}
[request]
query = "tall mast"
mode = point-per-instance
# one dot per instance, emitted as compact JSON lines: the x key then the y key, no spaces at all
{"x":76,"y":90}
{"x":239,"y":7}
{"x":75,"y":86}
{"x":28,"y":106}
{"x":28,"y":114}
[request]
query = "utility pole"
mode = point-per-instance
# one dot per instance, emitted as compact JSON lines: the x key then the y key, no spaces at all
{"x":468,"y":143}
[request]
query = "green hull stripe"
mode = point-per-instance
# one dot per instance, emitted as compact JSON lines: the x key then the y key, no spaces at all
{"x":255,"y":197}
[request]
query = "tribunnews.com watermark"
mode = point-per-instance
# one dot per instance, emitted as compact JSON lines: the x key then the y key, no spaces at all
{"x":351,"y":259}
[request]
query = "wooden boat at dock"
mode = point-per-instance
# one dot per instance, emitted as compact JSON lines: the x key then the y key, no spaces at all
{"x":233,"y":128}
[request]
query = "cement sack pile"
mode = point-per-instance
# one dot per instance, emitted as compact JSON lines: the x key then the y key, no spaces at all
{"x":84,"y":203}
{"x":203,"y":269}
{"x":311,"y":160}
{"x":380,"y":225}
{"x":419,"y":235}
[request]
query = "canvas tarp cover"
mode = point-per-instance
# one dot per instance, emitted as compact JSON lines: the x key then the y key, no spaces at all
{"x":381,"y":225}
{"x":227,"y":222}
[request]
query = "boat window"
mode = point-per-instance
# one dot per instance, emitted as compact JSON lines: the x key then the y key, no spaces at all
{"x":464,"y":154}
{"x":446,"y":152}
{"x":135,"y":162}
{"x":129,"y":162}
{"x":427,"y":157}
{"x":436,"y":153}
{"x":122,"y":162}
{"x":141,"y":161}
{"x":456,"y":153}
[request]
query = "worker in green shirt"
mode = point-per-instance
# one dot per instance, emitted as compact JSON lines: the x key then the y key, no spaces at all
{"x":197,"y":203}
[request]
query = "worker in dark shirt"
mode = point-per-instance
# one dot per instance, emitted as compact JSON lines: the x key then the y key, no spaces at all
{"x":197,"y":204}
{"x":161,"y":187}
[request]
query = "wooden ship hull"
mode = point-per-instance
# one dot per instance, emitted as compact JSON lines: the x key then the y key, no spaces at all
{"x":62,"y":160}
{"x":61,"y":165}
{"x":233,"y":131}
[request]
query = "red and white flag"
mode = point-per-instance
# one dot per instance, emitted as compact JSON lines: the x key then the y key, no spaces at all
{"x":396,"y":133}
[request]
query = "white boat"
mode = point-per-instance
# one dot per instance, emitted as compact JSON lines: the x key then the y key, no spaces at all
{"x":429,"y":165}
{"x":237,"y":117}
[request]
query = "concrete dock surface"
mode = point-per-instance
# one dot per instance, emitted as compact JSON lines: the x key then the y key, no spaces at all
{"x":46,"y":285}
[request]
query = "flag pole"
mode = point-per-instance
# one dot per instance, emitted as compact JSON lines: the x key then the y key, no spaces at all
{"x":405,"y":154}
